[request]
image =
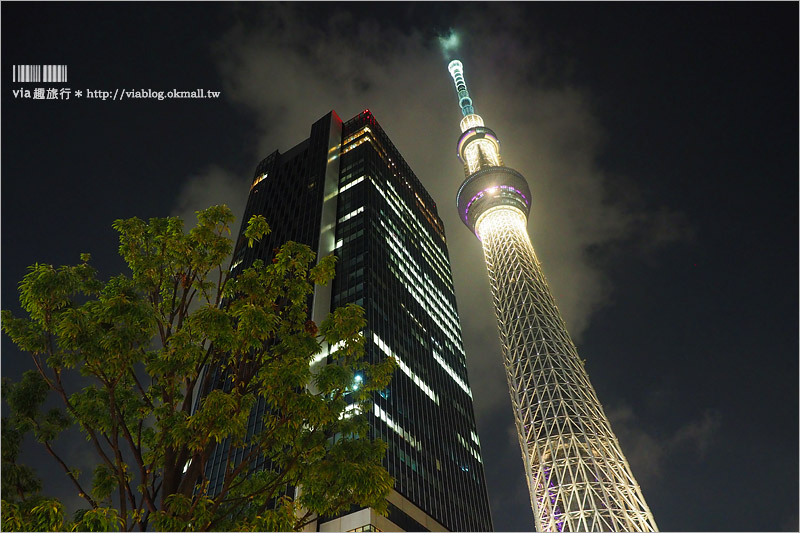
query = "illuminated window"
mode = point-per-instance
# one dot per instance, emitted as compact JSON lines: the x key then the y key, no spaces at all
{"x":259,"y":179}
{"x":452,"y":373}
{"x":406,"y":369}
{"x":469,"y":448}
{"x":350,"y":215}
{"x":475,"y":438}
{"x":349,"y":411}
{"x":351,"y":184}
{"x":397,"y":428}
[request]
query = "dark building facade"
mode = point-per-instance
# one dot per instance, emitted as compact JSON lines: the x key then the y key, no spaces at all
{"x":347,"y":190}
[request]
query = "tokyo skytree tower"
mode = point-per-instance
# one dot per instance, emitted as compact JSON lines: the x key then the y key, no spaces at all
{"x":578,"y":478}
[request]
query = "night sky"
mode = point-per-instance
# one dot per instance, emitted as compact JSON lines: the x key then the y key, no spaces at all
{"x":660,"y":142}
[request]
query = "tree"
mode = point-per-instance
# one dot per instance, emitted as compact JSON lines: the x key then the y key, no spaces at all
{"x":147,"y":341}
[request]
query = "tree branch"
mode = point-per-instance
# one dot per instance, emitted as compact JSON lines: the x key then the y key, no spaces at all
{"x":141,"y":388}
{"x":137,"y":454}
{"x":82,"y":493}
{"x":93,"y":436}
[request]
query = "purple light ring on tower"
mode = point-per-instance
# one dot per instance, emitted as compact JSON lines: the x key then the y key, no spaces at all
{"x":511,"y":187}
{"x":493,"y":190}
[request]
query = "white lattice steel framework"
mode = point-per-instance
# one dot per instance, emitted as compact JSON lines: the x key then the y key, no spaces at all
{"x":578,"y":478}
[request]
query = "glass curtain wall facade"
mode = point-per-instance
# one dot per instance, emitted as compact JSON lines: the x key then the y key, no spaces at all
{"x":288,"y":190}
{"x":347,"y":190}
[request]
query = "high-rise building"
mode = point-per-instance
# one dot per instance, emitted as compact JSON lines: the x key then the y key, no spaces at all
{"x":578,"y":478}
{"x":347,"y":190}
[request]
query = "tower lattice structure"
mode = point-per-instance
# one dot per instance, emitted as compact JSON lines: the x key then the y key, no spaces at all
{"x":578,"y":478}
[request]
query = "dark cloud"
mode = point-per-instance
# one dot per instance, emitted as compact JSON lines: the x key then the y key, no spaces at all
{"x":213,"y":186}
{"x":650,"y":453}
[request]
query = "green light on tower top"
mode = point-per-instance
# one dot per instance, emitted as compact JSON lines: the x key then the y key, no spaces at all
{"x":457,"y":72}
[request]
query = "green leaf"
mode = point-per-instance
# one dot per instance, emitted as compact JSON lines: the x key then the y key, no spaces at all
{"x":104,"y":482}
{"x":100,"y":519}
{"x":257,"y":228}
{"x":48,"y":516}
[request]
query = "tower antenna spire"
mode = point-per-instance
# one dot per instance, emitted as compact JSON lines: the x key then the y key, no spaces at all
{"x":457,"y":71}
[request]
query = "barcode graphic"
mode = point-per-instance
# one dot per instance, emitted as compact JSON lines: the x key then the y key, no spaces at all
{"x":40,"y":73}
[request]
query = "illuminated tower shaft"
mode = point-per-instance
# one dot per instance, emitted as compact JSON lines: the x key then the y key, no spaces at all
{"x":577,"y":476}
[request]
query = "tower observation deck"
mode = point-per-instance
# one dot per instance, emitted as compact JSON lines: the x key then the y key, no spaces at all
{"x":577,"y":476}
